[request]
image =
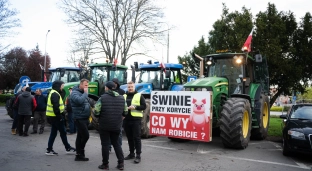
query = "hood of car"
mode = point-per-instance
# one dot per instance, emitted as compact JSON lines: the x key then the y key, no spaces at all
{"x":305,"y":125}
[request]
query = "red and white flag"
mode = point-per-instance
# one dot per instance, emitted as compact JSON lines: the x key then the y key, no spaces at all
{"x":79,"y":65}
{"x":115,"y":62}
{"x":162,"y":65}
{"x":247,"y":44}
{"x":44,"y":77}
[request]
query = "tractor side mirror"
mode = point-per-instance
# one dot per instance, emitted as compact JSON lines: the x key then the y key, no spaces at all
{"x":125,"y":75}
{"x":62,"y":72}
{"x":136,"y":66}
{"x":167,"y":73}
{"x":258,"y":58}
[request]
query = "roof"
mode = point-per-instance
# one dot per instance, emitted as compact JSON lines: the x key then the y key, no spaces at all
{"x":157,"y":65}
{"x":107,"y":65}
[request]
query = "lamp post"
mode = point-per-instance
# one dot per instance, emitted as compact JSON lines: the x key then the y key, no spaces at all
{"x":45,"y":52}
{"x":167,"y":42}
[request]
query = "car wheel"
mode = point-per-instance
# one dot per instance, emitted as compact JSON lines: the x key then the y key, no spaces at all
{"x":285,"y":148}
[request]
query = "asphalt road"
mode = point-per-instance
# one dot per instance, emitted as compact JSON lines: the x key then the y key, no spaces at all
{"x":159,"y":154}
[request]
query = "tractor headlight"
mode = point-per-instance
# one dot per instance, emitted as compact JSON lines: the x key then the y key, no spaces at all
{"x":204,"y":89}
{"x":187,"y":89}
{"x":198,"y":89}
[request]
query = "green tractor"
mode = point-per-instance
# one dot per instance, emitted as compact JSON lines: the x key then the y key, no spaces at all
{"x":240,"y":87}
{"x":98,"y":75}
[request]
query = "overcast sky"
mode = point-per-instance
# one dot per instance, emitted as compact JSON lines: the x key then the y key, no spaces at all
{"x":190,"y":18}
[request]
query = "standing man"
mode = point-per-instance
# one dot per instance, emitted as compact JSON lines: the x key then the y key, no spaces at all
{"x":40,"y":112}
{"x":54,"y":112}
{"x":70,"y":117}
{"x":15,"y":111}
{"x":81,"y":111}
{"x":120,"y":92}
{"x":26,"y":104}
{"x":132,"y":123}
{"x":110,"y":108}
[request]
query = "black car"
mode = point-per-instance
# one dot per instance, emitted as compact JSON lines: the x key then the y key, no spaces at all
{"x":297,"y":129}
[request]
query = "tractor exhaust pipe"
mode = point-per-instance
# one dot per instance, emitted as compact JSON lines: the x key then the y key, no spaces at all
{"x":201,"y":64}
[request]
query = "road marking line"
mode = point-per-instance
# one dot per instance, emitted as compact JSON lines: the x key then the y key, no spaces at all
{"x":166,"y":148}
{"x":302,"y":166}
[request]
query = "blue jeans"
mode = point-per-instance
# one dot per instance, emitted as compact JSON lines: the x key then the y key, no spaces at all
{"x":15,"y":121}
{"x":57,"y":125}
{"x":71,"y":123}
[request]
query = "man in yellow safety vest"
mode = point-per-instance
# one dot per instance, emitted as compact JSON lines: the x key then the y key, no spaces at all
{"x":54,"y":112}
{"x":132,"y":122}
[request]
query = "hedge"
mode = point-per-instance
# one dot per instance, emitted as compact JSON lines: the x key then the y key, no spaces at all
{"x":4,"y":97}
{"x":280,"y":108}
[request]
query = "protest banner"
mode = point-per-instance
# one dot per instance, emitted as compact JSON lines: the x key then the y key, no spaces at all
{"x":181,"y":114}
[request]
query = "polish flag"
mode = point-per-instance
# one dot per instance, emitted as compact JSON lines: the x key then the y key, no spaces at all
{"x":162,"y":65}
{"x":44,"y":77}
{"x":247,"y":44}
{"x":115,"y":62}
{"x":79,"y":65}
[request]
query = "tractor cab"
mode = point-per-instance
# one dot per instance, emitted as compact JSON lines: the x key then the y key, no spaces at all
{"x":65,"y":74}
{"x":100,"y":73}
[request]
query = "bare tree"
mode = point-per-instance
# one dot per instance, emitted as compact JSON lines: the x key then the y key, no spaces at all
{"x":116,"y":25}
{"x":82,"y":49}
{"x":7,"y":21}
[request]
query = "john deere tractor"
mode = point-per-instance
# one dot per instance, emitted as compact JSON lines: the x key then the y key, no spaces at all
{"x":98,"y":74}
{"x":240,"y":86}
{"x":155,"y":77}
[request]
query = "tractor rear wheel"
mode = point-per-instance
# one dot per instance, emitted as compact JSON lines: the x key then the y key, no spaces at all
{"x":94,"y":122}
{"x":235,"y":123}
{"x":262,"y":132}
{"x":145,"y":128}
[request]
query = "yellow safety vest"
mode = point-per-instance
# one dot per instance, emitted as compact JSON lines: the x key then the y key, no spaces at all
{"x":50,"y":111}
{"x":135,"y":102}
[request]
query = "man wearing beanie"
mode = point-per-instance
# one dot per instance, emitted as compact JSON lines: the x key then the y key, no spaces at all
{"x":110,"y":108}
{"x":25,"y":103}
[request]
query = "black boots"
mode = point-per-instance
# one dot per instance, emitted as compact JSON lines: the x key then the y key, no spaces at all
{"x":81,"y":157}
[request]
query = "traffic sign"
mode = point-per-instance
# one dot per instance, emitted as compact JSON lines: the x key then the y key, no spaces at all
{"x":294,"y":98}
{"x":191,"y":78}
{"x":24,"y":80}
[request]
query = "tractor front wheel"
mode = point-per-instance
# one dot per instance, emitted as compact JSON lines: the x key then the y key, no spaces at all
{"x":235,"y":123}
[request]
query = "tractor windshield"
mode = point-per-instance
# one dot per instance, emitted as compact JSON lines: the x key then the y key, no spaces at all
{"x":227,"y":68}
{"x":99,"y":74}
{"x":69,"y":76}
{"x":150,"y":76}
{"x":120,"y":74}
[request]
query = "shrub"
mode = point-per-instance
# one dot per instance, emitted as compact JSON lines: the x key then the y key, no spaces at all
{"x":280,"y":108}
{"x":4,"y":97}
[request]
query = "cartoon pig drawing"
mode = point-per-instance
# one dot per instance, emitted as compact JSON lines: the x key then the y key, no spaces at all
{"x":198,"y":116}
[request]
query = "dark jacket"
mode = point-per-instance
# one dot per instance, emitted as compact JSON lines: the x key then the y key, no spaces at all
{"x":25,"y":103}
{"x":80,"y":104}
{"x":55,"y":98}
{"x":112,"y":110}
{"x":68,"y":105}
{"x":117,"y":89}
{"x":41,"y":101}
{"x":141,"y":107}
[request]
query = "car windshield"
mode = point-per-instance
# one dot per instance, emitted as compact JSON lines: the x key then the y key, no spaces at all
{"x":301,"y":112}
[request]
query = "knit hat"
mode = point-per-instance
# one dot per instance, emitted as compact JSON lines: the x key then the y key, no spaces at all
{"x":110,"y":85}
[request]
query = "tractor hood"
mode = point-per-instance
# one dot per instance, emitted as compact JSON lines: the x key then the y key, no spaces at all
{"x":144,"y":88}
{"x":205,"y":82}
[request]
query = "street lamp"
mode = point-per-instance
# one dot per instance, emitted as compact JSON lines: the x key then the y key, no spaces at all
{"x":167,"y":42}
{"x":45,"y":52}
